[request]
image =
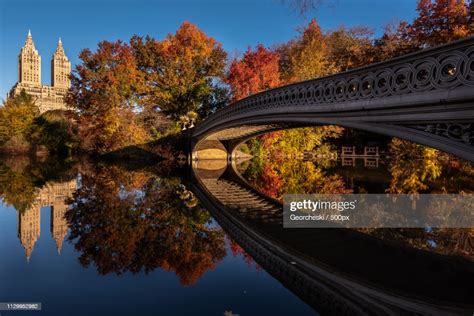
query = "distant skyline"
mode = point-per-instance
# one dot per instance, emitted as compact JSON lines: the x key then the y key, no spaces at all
{"x":236,"y":24}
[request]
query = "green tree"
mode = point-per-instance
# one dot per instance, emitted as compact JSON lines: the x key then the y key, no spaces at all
{"x":56,"y":131}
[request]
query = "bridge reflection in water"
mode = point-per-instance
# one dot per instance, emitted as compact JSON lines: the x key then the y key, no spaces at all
{"x":336,"y":271}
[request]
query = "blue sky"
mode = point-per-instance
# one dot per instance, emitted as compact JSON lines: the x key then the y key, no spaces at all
{"x":236,"y":24}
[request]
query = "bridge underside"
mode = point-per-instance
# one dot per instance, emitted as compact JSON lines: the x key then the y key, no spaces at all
{"x":453,"y":132}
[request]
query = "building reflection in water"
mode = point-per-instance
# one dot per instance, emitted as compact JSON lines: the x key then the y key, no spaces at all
{"x":54,"y":195}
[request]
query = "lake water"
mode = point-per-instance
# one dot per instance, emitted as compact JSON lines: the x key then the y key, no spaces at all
{"x":96,"y":238}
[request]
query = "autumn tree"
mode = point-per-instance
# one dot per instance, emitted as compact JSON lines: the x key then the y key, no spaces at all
{"x":394,"y":42}
{"x":182,"y":72}
{"x":350,"y":47}
{"x":439,"y":22}
{"x":16,"y":118}
{"x":106,"y":87}
{"x":307,"y":56}
{"x":471,"y":18}
{"x":257,"y":71}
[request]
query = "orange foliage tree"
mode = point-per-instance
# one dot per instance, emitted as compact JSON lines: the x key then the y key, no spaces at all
{"x":440,"y":22}
{"x":120,"y":91}
{"x":124,"y":221}
{"x":182,"y":71}
{"x":105,"y":92}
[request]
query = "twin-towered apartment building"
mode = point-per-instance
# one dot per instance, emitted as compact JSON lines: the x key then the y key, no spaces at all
{"x":46,"y":98}
{"x":29,"y":77}
{"x":54,"y":195}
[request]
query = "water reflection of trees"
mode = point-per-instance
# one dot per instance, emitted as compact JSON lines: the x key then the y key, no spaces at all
{"x":275,"y":177}
{"x":293,"y":176}
{"x":419,"y":169}
{"x":275,"y":169}
{"x":136,"y":221}
{"x":412,"y":168}
{"x":447,"y":241}
{"x":237,"y":251}
{"x":22,"y":176}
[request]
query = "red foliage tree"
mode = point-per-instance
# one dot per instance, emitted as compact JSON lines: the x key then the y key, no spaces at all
{"x":269,"y":139}
{"x":271,"y":182}
{"x":257,"y":71}
{"x":239,"y":251}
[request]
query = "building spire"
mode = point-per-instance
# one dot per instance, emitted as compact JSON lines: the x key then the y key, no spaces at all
{"x":60,"y":67}
{"x":60,"y":48}
{"x":29,"y":40}
{"x":59,"y":241}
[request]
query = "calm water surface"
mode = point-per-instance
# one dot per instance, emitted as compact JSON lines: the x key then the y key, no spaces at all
{"x":88,"y":238}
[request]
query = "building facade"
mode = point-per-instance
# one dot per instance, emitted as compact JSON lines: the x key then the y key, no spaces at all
{"x":55,"y":195}
{"x":29,"y":77}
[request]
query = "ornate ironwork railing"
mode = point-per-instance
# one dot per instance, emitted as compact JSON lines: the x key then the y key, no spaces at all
{"x":445,"y":68}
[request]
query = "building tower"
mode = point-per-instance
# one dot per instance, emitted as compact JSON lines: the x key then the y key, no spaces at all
{"x":29,"y":228}
{"x":29,"y":63}
{"x":60,"y":68}
{"x":59,"y":224}
{"x":29,"y":77}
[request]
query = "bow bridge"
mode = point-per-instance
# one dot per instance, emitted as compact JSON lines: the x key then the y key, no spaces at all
{"x":426,"y":97}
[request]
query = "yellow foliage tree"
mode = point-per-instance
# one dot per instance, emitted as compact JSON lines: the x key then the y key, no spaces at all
{"x":412,"y":166}
{"x":16,"y":118}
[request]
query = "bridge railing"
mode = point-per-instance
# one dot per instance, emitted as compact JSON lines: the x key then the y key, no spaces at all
{"x":446,"y":67}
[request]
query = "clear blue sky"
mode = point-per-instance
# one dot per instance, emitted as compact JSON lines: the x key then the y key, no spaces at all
{"x":236,"y":24}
